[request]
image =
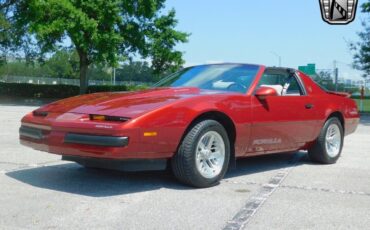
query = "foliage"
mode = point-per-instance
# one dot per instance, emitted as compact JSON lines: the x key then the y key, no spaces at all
{"x":359,"y":97}
{"x":325,"y":79}
{"x":62,"y":64}
{"x":362,"y":48}
{"x":365,"y":104}
{"x":21,"y":68}
{"x":135,"y":71}
{"x":106,"y":88}
{"x":136,"y":87}
{"x":366,"y":7}
{"x":164,"y":38}
{"x":101,"y":31}
{"x":99,"y":72}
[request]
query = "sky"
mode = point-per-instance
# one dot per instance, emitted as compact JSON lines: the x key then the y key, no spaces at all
{"x":249,"y":31}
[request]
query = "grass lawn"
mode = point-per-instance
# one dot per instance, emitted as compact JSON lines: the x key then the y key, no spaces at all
{"x":366,"y":104}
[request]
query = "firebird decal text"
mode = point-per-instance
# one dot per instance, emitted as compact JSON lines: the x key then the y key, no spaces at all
{"x":104,"y":126}
{"x":267,"y":141}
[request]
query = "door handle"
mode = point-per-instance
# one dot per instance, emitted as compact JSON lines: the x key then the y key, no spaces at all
{"x":308,"y":106}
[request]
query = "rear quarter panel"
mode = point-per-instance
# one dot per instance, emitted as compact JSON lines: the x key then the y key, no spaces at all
{"x":327,"y":104}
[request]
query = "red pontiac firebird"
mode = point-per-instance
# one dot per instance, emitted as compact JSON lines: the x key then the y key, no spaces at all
{"x":198,"y":121}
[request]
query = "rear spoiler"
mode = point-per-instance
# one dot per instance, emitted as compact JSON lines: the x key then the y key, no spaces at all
{"x":342,"y":94}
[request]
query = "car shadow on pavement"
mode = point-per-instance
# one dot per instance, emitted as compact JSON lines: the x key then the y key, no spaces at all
{"x":258,"y":164}
{"x":72,"y":178}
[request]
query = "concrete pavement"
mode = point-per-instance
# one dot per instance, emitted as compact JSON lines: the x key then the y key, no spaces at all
{"x":283,"y":191}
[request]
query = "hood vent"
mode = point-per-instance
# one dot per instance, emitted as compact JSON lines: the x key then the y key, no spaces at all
{"x":39,"y":113}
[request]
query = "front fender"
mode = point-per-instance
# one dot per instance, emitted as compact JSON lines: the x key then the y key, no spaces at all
{"x":169,"y":123}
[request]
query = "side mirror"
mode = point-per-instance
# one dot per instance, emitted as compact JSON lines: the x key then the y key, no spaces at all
{"x":264,"y":92}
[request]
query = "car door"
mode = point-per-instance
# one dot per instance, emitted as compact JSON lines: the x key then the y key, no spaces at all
{"x":283,"y":122}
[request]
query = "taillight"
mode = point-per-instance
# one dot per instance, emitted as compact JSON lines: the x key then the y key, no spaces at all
{"x":95,"y":117}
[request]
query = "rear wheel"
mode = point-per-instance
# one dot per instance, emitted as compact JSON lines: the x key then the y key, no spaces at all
{"x":328,"y":146}
{"x":203,"y":155}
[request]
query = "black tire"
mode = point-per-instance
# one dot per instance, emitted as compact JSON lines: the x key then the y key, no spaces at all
{"x":184,"y":161}
{"x":318,"y":152}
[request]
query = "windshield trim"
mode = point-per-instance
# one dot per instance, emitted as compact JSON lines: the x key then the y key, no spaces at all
{"x":169,"y":77}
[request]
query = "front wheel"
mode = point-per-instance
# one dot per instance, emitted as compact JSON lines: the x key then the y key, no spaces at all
{"x":203,"y":156}
{"x":328,"y":146}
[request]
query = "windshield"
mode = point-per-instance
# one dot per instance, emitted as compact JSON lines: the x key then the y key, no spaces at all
{"x":225,"y":77}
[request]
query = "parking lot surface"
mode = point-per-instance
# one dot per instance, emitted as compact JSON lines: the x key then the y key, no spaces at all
{"x":282,"y":191}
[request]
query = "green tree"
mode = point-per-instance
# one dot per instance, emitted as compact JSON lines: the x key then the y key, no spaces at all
{"x":99,"y":72}
{"x":62,"y":64}
{"x":324,"y":79}
{"x":135,"y":71}
{"x":22,"y":68}
{"x":101,"y":31}
{"x":362,"y":48}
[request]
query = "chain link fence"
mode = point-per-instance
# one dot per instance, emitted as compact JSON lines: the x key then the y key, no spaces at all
{"x":65,"y":81}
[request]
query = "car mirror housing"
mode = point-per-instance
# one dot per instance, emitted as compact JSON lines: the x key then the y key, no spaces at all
{"x":263,"y":92}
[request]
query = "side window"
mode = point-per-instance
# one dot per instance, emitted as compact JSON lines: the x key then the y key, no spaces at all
{"x":284,"y":83}
{"x":293,"y":88}
{"x":270,"y":79}
{"x":274,"y":80}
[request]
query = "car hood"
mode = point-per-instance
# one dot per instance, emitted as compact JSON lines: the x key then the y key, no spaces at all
{"x":127,"y":104}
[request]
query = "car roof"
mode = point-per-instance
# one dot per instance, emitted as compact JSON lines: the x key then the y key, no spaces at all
{"x":228,"y":63}
{"x":279,"y":68}
{"x":268,"y":68}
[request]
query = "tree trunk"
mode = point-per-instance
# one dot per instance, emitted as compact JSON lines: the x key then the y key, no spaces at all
{"x":84,"y":81}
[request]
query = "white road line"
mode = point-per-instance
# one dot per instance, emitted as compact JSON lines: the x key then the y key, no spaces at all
{"x":241,"y":218}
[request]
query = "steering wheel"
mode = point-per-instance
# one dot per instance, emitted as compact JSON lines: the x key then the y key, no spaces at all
{"x":236,"y":86}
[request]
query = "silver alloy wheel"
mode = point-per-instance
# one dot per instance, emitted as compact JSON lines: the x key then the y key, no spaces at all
{"x":210,"y":154}
{"x":333,"y":140}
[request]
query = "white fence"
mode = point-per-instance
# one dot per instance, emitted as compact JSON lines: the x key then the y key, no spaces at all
{"x":64,"y":81}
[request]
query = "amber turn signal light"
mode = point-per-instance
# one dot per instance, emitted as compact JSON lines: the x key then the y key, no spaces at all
{"x":150,"y":134}
{"x":95,"y":117}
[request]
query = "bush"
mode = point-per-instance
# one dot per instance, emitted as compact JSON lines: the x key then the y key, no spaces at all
{"x":359,"y":97}
{"x":38,"y":91}
{"x":136,"y":87}
{"x":55,"y":91}
{"x":106,"y":88}
{"x":64,"y":91}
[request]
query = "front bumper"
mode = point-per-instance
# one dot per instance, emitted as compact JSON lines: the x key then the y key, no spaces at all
{"x":75,"y":138}
{"x":36,"y":138}
{"x":84,"y":143}
{"x":76,"y":135}
{"x":29,"y":132}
